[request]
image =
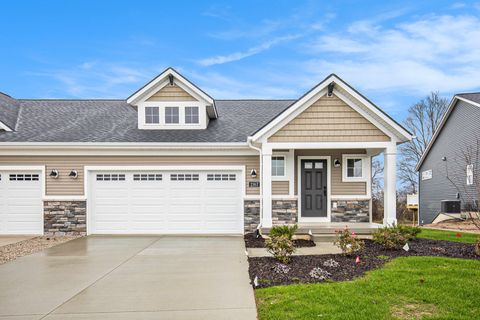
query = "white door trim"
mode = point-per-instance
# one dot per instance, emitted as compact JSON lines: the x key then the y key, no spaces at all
{"x":89,"y":169}
{"x":299,"y":188}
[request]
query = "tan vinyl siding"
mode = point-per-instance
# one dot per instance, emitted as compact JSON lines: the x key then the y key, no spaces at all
{"x":329,"y":119}
{"x":338,"y":186}
{"x":171,"y":93}
{"x":65,"y":186}
{"x":280,"y":188}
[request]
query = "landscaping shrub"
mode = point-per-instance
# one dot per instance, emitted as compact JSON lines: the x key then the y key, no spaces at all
{"x":281,"y":247}
{"x":408,"y":231}
{"x":391,"y":238}
{"x":348,"y":242}
{"x":285,"y":230}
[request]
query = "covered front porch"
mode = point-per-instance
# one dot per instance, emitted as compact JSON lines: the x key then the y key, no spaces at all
{"x":325,"y":186}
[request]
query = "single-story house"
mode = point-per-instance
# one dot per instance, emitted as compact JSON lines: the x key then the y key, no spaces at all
{"x":448,"y":169}
{"x":171,"y":159}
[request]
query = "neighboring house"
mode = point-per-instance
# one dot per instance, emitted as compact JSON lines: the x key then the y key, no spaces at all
{"x":448,"y":167}
{"x":171,"y":159}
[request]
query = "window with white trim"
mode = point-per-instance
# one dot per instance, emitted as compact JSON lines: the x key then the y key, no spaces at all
{"x":110,"y":177}
{"x":278,"y":166}
{"x":354,"y":168}
{"x":152,"y":115}
{"x":172,"y":115}
{"x":469,"y":174}
{"x":191,"y":115}
{"x":184,"y":177}
{"x":24,"y":177}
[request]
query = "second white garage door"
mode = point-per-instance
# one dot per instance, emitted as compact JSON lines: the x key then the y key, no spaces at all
{"x":156,"y":202}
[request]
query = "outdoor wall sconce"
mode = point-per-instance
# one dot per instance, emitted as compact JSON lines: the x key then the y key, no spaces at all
{"x":444,"y":158}
{"x":73,"y":174}
{"x":54,"y":174}
{"x":336,"y":163}
{"x":253,"y":173}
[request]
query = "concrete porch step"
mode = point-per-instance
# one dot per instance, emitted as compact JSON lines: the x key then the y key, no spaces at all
{"x":326,"y":232}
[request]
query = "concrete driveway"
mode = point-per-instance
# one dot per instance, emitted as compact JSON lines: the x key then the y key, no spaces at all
{"x":132,"y":277}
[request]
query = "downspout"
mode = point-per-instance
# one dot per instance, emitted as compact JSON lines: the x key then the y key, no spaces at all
{"x":249,"y":142}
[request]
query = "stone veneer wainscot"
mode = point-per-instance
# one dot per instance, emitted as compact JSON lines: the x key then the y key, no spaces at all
{"x":65,"y":217}
{"x":351,"y":211}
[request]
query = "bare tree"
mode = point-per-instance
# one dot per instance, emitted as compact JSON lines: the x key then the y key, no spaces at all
{"x":377,"y":189}
{"x":423,"y":119}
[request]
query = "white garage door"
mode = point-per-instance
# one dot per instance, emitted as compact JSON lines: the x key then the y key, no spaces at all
{"x":152,"y":202}
{"x":21,"y":207}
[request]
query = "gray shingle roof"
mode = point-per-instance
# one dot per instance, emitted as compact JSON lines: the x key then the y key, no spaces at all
{"x":474,"y":96}
{"x":9,"y":109}
{"x":116,"y":121}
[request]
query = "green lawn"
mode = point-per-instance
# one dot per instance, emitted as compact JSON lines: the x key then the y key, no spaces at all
{"x":406,"y":288}
{"x":448,"y":235}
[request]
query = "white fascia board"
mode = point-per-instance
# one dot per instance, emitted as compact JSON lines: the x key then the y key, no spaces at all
{"x":5,"y":127}
{"x":304,"y":102}
{"x":160,"y":81}
{"x":439,"y":128}
{"x":292,"y":110}
{"x":132,"y":149}
{"x":373,"y":108}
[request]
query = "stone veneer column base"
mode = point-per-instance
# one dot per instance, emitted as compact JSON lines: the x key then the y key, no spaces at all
{"x":65,"y":218}
{"x":251,"y":217}
{"x":350,"y":211}
{"x":284,"y":212}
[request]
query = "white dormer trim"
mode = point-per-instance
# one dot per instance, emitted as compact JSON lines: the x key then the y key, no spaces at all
{"x":4,"y":127}
{"x":141,"y":95}
{"x":375,"y":116}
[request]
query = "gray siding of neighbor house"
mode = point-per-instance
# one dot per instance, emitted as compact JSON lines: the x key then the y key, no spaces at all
{"x":458,"y":135}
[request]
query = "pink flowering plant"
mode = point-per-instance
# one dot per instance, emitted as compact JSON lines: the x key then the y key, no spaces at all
{"x":348,"y":241}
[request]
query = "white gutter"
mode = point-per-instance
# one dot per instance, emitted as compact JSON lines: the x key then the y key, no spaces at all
{"x":249,"y":142}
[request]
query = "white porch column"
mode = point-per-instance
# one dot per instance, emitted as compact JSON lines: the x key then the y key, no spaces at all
{"x":266,"y":186}
{"x":390,"y":185}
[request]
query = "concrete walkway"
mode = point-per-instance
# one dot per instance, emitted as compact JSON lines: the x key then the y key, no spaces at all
{"x":130,"y":278}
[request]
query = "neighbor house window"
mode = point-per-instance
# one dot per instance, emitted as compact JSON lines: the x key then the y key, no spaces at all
{"x":152,"y":115}
{"x":191,"y":115}
{"x":171,"y":115}
{"x":354,"y":168}
{"x":469,"y":174}
{"x":278,"y":166}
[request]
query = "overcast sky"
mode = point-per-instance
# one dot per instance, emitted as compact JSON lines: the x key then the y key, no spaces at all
{"x":393,"y":52}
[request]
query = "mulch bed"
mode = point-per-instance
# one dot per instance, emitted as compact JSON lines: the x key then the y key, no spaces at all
{"x":251,"y":241}
{"x":270,"y":272}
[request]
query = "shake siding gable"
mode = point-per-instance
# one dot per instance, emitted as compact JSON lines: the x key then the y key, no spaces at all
{"x":329,"y":119}
{"x":171,"y":93}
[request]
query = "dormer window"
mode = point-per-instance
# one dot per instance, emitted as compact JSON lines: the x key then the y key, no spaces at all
{"x":171,"y":102}
{"x":152,"y":115}
{"x":191,"y":115}
{"x":172,"y":115}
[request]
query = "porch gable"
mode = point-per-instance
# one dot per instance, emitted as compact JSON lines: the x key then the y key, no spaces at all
{"x":329,"y":119}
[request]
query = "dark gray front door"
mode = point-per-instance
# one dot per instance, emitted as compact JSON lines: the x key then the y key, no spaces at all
{"x":314,"y":188}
